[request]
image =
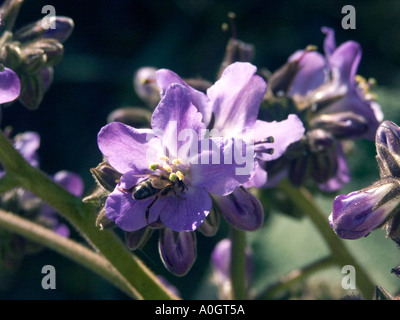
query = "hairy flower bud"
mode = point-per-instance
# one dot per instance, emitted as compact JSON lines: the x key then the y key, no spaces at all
{"x":106,"y":176}
{"x":178,"y":250}
{"x":355,"y":215}
{"x":241,"y":209}
{"x":135,"y":117}
{"x":387,"y":143}
{"x":63,"y":29}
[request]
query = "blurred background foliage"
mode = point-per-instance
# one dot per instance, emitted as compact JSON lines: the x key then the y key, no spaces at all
{"x":112,"y":39}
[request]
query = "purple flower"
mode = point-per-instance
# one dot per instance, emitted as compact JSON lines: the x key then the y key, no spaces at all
{"x":10,"y":86}
{"x":230,"y":109}
{"x":333,"y":79}
{"x":221,"y":267}
{"x":168,"y":171}
{"x":355,"y":215}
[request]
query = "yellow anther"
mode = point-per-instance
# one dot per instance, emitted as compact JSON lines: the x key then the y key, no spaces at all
{"x":311,"y":47}
{"x":180,"y":175}
{"x":175,"y":162}
{"x":167,"y":168}
{"x":153,"y":166}
{"x":173,"y":177}
{"x":164,"y":158}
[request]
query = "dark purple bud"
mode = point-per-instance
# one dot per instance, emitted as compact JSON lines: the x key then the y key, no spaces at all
{"x":237,"y":51}
{"x":210,"y":225}
{"x":178,"y":250}
{"x":32,"y":91}
{"x":137,"y":239}
{"x":387,"y":141}
{"x":134,"y":117}
{"x":299,"y":169}
{"x":343,"y":125}
{"x":241,"y":209}
{"x":63,"y":27}
{"x":102,"y":221}
{"x":320,"y":140}
{"x":324,"y":165}
{"x":356,"y":214}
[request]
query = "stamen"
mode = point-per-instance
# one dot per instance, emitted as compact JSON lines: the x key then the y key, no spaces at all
{"x":164,"y":158}
{"x":269,"y":139}
{"x":173,"y":177}
{"x":167,"y":168}
{"x":266,"y":150}
{"x":180,"y":175}
{"x":154,"y":166}
{"x":175,"y":162}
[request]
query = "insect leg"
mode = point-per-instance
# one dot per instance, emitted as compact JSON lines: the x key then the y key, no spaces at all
{"x":148,"y":209}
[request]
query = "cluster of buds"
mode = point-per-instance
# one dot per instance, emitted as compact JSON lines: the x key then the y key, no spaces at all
{"x":335,"y":105}
{"x":32,"y":51}
{"x":355,"y":215}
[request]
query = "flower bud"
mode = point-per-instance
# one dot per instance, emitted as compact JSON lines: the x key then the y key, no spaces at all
{"x":343,"y":125}
{"x":145,"y":85}
{"x":102,"y":221}
{"x":134,"y":117}
{"x":32,"y":91}
{"x":320,"y":140}
{"x":137,"y":239}
{"x":387,"y":141}
{"x":237,"y":50}
{"x":210,"y":225}
{"x":11,"y":54}
{"x":178,"y":250}
{"x":106,"y":176}
{"x":241,"y":209}
{"x":356,"y":214}
{"x":324,"y":165}
{"x":63,"y":29}
{"x":221,"y":267}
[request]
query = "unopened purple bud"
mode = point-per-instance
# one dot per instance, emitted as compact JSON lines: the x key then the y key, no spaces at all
{"x":106,"y":176}
{"x":63,"y":27}
{"x":178,"y":250}
{"x":387,"y":141}
{"x":356,"y":214}
{"x":241,"y":209}
{"x":343,"y":125}
{"x":137,"y":239}
{"x":320,"y":140}
{"x":221,"y":266}
{"x":145,"y":85}
{"x":210,"y":225}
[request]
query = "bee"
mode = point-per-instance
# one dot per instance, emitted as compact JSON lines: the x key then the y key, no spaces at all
{"x":157,"y":187}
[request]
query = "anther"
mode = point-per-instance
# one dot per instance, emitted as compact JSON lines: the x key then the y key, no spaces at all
{"x":167,"y":168}
{"x":175,"y":162}
{"x":153,"y":166}
{"x":269,"y":139}
{"x":173,"y":176}
{"x":164,"y":158}
{"x":180,"y":175}
{"x":266,"y":150}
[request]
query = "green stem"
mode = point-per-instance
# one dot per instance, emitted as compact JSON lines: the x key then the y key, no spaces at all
{"x":82,"y":217}
{"x":238,"y":264}
{"x":295,"y":276}
{"x":67,"y":247}
{"x":304,"y":201}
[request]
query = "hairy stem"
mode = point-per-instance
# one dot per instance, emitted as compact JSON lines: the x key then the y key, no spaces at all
{"x":238,"y":264}
{"x":296,"y":276}
{"x":304,"y":201}
{"x":82,"y":217}
{"x":67,"y":247}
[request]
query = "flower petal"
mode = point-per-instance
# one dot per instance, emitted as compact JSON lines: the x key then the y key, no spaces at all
{"x":236,"y":97}
{"x":10,"y":86}
{"x":183,"y":214}
{"x":284,"y":133}
{"x":127,"y":213}
{"x":167,"y":77}
{"x":126,"y":148}
{"x":175,"y":118}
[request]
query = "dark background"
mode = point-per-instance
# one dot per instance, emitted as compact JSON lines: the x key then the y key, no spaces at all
{"x":112,"y":39}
